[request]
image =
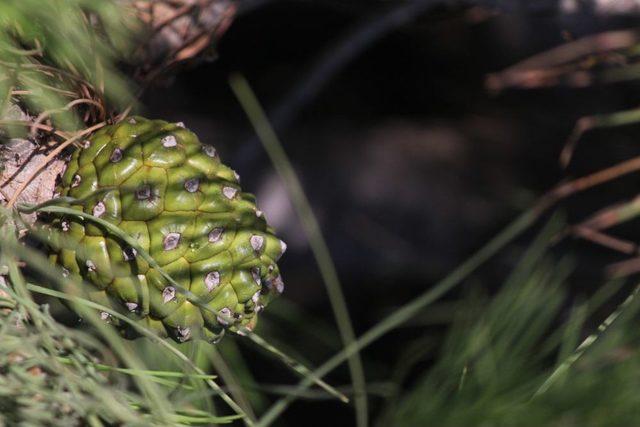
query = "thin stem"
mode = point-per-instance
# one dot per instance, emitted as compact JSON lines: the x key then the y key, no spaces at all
{"x":318,"y":245}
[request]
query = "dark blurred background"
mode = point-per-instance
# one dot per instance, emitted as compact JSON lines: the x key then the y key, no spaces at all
{"x":410,"y":162}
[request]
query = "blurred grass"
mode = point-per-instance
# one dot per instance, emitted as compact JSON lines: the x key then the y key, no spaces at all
{"x":67,"y":365}
{"x":59,"y":59}
{"x":506,"y":351}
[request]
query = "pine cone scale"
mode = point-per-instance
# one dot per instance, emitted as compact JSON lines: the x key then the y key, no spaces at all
{"x":160,"y":185}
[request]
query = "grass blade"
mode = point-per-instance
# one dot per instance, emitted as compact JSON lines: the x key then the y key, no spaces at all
{"x":281,"y":163}
{"x":514,"y":229}
{"x":586,"y":344}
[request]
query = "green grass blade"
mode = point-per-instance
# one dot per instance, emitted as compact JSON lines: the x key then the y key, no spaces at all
{"x":514,"y":229}
{"x":281,"y":163}
{"x":230,"y":380}
{"x":42,"y":265}
{"x":148,"y":334}
{"x":586,"y":344}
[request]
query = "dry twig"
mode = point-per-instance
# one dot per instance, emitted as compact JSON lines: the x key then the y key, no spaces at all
{"x":49,"y":158}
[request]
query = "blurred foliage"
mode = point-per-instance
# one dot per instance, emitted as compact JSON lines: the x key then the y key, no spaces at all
{"x":513,"y":359}
{"x":54,"y":375}
{"x":61,"y":55}
{"x":51,"y":375}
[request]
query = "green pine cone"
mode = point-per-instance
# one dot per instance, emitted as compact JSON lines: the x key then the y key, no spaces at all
{"x":159,"y":184}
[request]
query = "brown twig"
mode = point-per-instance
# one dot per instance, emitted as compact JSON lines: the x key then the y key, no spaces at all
{"x":597,"y":178}
{"x":124,"y":114}
{"x":590,"y":228}
{"x":537,"y":70}
{"x":194,"y":36}
{"x":27,"y":123}
{"x":582,"y":125}
{"x":182,"y":11}
{"x":623,"y":268}
{"x":49,"y":158}
{"x":587,"y":123}
{"x":190,"y":47}
{"x":45,"y":114}
{"x":614,"y":215}
{"x":620,"y":245}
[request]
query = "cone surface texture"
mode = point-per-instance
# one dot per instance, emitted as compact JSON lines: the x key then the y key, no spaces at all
{"x":161,"y":186}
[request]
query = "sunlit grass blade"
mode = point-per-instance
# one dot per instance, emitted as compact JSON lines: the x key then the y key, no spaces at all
{"x":244,"y":371}
{"x":400,"y":316}
{"x":281,"y":163}
{"x":230,"y":380}
{"x":146,"y":372}
{"x":586,"y":344}
{"x":297,"y":367}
